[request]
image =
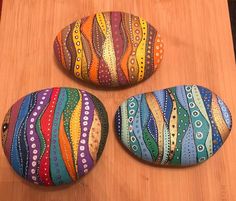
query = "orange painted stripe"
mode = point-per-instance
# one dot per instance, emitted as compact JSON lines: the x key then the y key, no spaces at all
{"x":86,"y":28}
{"x":158,"y":51}
{"x":66,"y":151}
{"x":125,"y":58}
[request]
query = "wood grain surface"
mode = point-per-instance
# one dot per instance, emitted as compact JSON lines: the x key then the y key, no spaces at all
{"x":198,"y":50}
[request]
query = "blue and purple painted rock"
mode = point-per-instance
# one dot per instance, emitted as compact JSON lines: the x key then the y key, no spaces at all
{"x":181,"y":126}
{"x":110,"y":49}
{"x":55,"y":136}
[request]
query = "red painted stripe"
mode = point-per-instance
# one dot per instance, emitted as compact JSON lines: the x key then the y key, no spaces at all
{"x":46,"y":125}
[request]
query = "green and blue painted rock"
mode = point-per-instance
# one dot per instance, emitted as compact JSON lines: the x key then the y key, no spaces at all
{"x":182,"y":126}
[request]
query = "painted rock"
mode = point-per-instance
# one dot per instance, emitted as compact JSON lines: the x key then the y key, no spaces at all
{"x":54,"y":136}
{"x":182,"y":126}
{"x":110,"y":49}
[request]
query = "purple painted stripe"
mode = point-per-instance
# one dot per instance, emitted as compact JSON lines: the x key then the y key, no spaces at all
{"x":118,"y":44}
{"x":33,"y":140}
{"x":85,"y":161}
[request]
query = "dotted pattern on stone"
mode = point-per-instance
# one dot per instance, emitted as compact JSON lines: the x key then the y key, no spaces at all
{"x":55,"y":136}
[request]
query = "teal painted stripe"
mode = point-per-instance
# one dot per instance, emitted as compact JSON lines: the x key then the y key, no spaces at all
{"x":58,"y":169}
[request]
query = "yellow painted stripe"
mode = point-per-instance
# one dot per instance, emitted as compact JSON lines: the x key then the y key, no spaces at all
{"x":101,"y":21}
{"x":141,"y":50}
{"x":173,"y":127}
{"x":109,"y":52}
{"x":79,"y":49}
{"x":75,"y":129}
{"x":157,"y":114}
{"x":219,"y":119}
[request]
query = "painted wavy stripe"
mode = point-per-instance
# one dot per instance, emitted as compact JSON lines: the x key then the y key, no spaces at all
{"x":86,"y":58}
{"x":181,"y":95}
{"x":199,"y":126}
{"x":102,"y":23}
{"x":22,"y":144}
{"x":132,"y":107}
{"x":219,"y":119}
{"x":102,"y":115}
{"x":138,"y":132}
{"x":118,"y":122}
{"x":66,"y":150}
{"x":79,"y":48}
{"x":98,"y":37}
{"x":168,"y":106}
{"x":85,"y":161}
{"x":167,"y":138}
{"x":75,"y":129}
{"x":65,"y":34}
{"x":158,"y":51}
{"x":94,"y":136}
{"x":124,"y":123}
{"x":86,"y":28}
{"x":188,"y":151}
{"x":59,"y":49}
{"x":160,"y":96}
{"x":225,"y":112}
{"x":39,"y":132}
{"x":46,"y":125}
{"x":141,"y":50}
{"x":200,"y":104}
{"x":33,"y":138}
{"x":58,"y":170}
{"x":71,"y":47}
{"x":12,"y":121}
{"x":149,"y":62}
{"x":182,"y":126}
{"x":128,"y":47}
{"x":41,"y":138}
{"x":173,"y":125}
{"x":109,"y":52}
{"x":150,"y":144}
{"x":104,"y":75}
{"x":118,"y":45}
{"x":72,"y":101}
{"x":15,"y":159}
{"x":135,"y":33}
{"x":152,"y":128}
{"x":144,"y":111}
{"x":163,"y":143}
{"x":216,"y":138}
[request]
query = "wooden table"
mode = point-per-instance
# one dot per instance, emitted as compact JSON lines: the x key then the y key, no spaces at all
{"x":198,"y":50}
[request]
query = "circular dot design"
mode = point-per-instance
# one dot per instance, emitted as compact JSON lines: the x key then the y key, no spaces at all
{"x":181,"y":126}
{"x":55,"y":136}
{"x":110,"y":49}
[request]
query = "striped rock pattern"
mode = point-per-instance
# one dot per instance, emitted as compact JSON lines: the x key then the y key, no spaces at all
{"x":110,"y":49}
{"x":54,"y":136}
{"x":182,"y":126}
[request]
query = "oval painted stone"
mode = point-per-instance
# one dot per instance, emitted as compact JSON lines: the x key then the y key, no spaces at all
{"x":55,"y":136}
{"x":110,"y":49}
{"x":181,"y":126}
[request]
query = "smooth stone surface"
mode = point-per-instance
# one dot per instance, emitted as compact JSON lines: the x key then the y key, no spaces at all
{"x":55,"y":136}
{"x":110,"y":49}
{"x":181,"y":126}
